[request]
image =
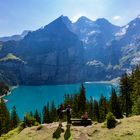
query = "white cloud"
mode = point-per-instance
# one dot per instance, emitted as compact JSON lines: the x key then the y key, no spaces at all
{"x":117,"y":18}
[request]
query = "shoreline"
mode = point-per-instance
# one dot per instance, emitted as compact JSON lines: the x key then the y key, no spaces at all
{"x":11,"y":88}
{"x":113,"y":81}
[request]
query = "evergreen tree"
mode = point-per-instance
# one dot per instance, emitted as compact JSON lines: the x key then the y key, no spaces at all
{"x":96,"y":115}
{"x":90,"y":108}
{"x":115,"y":105}
{"x":125,"y":94}
{"x":46,"y":114}
{"x":37,"y":117}
{"x":14,"y":120}
{"x":135,"y":86}
{"x":68,"y":100}
{"x":4,"y":118}
{"x":53,"y":112}
{"x":82,"y":100}
{"x":136,"y":106}
{"x":102,"y":108}
{"x":75,"y":107}
{"x":136,"y":83}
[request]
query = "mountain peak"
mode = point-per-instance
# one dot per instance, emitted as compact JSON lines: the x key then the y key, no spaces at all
{"x":66,"y":20}
{"x":60,"y":20}
{"x":135,"y":22}
{"x":84,"y":19}
{"x":102,"y":21}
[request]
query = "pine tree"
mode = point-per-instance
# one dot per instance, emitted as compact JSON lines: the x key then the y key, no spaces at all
{"x":82,"y":100}
{"x":46,"y":114}
{"x":75,"y":107}
{"x":136,"y":83}
{"x":68,"y":100}
{"x":136,"y":106}
{"x":14,"y":120}
{"x":90,"y":108}
{"x":37,"y":117}
{"x":135,"y":86}
{"x":115,"y":105}
{"x":125,"y":94}
{"x":53,"y":112}
{"x":103,"y":110}
{"x":96,"y":115}
{"x":4,"y":118}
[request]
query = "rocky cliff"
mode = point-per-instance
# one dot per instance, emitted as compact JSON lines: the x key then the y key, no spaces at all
{"x":65,"y":52}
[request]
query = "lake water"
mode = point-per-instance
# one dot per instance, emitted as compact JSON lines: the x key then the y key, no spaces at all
{"x":29,"y":98}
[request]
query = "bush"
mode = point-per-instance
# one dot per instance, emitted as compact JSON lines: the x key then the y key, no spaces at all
{"x":39,"y":127}
{"x":110,"y":120}
{"x":30,"y":120}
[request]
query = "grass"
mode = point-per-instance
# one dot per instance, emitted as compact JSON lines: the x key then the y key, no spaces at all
{"x":128,"y":129}
{"x":10,"y":135}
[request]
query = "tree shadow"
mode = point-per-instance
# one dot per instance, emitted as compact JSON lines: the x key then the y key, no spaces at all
{"x":67,"y":133}
{"x":58,"y":132}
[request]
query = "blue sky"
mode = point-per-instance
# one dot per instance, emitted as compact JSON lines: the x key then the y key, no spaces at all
{"x":19,"y":15}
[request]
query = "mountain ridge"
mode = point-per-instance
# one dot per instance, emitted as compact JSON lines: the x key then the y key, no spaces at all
{"x":65,"y":52}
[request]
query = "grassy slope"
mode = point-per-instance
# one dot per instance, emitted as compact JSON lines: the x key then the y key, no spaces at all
{"x":10,"y":56}
{"x":129,"y":129}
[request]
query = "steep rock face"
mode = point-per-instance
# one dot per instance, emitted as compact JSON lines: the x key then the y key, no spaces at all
{"x":66,"y":52}
{"x":95,"y":35}
{"x":51,"y":55}
{"x":126,"y":46}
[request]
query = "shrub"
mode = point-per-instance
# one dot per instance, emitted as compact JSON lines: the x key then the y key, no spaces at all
{"x":29,"y":120}
{"x":39,"y":127}
{"x":110,"y":120}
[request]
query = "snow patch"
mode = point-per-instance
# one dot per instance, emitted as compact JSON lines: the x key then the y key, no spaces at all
{"x":122,"y":31}
{"x":91,"y":33}
{"x":85,"y":40}
{"x":94,"y":63}
{"x":135,"y":61}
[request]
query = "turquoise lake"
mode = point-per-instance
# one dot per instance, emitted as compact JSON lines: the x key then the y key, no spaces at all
{"x":29,"y":98}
